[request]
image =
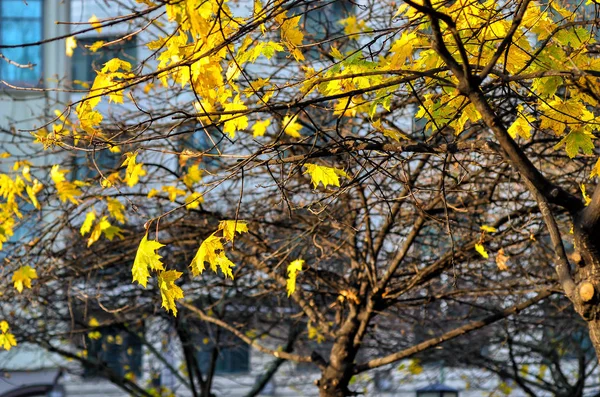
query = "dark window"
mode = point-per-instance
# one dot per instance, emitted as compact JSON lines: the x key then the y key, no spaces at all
{"x":321,"y":21}
{"x":203,"y":140}
{"x":83,"y":164}
{"x":118,"y":349}
{"x":21,"y":23}
{"x":85,"y":63}
{"x":233,"y":355}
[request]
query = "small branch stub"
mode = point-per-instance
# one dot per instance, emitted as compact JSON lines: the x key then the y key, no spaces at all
{"x":586,"y":291}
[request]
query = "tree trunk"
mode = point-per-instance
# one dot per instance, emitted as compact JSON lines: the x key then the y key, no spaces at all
{"x":337,"y":373}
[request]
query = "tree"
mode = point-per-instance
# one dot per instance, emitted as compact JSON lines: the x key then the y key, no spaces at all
{"x":314,"y":182}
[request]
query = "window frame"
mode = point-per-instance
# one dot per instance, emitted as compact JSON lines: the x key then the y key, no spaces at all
{"x":39,"y":82}
{"x":88,"y":40}
{"x":95,"y":352}
{"x":227,"y":345}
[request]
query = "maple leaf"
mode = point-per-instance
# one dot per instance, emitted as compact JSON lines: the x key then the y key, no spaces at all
{"x":70,"y":45}
{"x":521,"y":127}
{"x":324,"y":175}
{"x":169,"y":291}
{"x":193,"y":200}
{"x":393,"y":134}
{"x":234,"y":122}
{"x":66,"y":190}
{"x":292,"y":37}
{"x":192,"y":176}
{"x":587,"y":199}
{"x":260,"y":127}
{"x":488,"y":229}
{"x":208,"y":252}
{"x":292,"y":271}
{"x":146,"y":257}
{"x":116,"y":209}
{"x":115,"y":64}
{"x":578,"y":140}
{"x":134,"y":170}
{"x":501,"y":260}
{"x":291,"y":127}
{"x":96,"y":45}
{"x":481,"y":249}
{"x":106,"y":228}
{"x":596,"y":169}
{"x":225,"y":265}
{"x":229,"y":228}
{"x":402,"y":50}
{"x":7,"y":340}
{"x":95,"y":23}
{"x":23,"y":276}
{"x":86,"y":226}
{"x":32,"y":192}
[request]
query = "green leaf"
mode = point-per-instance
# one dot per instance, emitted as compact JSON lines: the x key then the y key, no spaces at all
{"x":576,"y":141}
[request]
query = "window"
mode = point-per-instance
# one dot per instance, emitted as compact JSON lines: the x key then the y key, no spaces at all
{"x":83,"y":166}
{"x":118,"y":349}
{"x":203,"y":140}
{"x":85,"y":62}
{"x":322,"y":21}
{"x":233,"y":355}
{"x":21,"y":23}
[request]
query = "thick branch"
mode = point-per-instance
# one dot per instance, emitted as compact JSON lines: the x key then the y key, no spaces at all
{"x":465,"y":329}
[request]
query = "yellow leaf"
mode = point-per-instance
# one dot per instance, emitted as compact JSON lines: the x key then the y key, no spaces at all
{"x":393,"y":134}
{"x":103,"y":227}
{"x":501,"y":260}
{"x":292,"y":271}
{"x":193,"y":200}
{"x":95,"y":23}
{"x":521,"y":126}
{"x":96,"y":45}
{"x":587,"y":200}
{"x":415,"y":367}
{"x":291,"y":127}
{"x":66,"y":190}
{"x":153,"y":192}
{"x":86,"y":226}
{"x":193,"y":176}
{"x":32,"y":192}
{"x":116,"y":209}
{"x":234,"y":122}
{"x":489,"y":229}
{"x":134,"y":170}
{"x":324,"y":175}
{"x":225,"y":265}
{"x":146,"y":257}
{"x":4,"y":326}
{"x":596,"y":169}
{"x":292,"y":36}
{"x":229,"y":228}
{"x":115,"y":64}
{"x":169,"y":291}
{"x":70,"y":45}
{"x":95,"y":335}
{"x":260,"y":127}
{"x":481,"y":249}
{"x":208,"y":252}
{"x":7,"y":340}
{"x":23,"y":276}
